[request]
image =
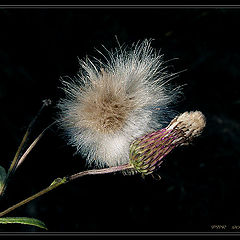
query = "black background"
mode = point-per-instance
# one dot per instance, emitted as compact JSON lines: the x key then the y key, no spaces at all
{"x":200,"y":184}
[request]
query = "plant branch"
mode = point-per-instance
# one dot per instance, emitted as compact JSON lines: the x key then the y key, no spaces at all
{"x":55,"y":184}
{"x":16,"y":161}
{"x":33,"y":145}
{"x":59,"y":181}
{"x":100,"y":171}
{"x":16,"y":157}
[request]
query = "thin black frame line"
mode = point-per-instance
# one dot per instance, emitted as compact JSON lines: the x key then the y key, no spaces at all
{"x":122,"y":233}
{"x":119,"y":6}
{"x":220,"y":233}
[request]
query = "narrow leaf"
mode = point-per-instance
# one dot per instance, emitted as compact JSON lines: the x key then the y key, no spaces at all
{"x":23,"y":220}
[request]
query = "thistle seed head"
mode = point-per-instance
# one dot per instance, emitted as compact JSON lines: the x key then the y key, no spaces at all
{"x":110,"y":104}
{"x":105,"y":106}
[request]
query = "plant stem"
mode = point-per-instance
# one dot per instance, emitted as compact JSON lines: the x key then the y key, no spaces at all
{"x":55,"y":184}
{"x":32,"y":145}
{"x":100,"y":171}
{"x":16,"y":161}
{"x":16,"y":157}
{"x":59,"y":181}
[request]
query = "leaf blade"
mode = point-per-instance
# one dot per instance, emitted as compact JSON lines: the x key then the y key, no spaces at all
{"x":23,"y":220}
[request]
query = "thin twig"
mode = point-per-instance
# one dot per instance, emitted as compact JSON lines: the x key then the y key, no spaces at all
{"x":16,"y":157}
{"x":59,"y":181}
{"x":33,"y":145}
{"x":100,"y":171}
{"x":15,"y":163}
{"x":55,"y":184}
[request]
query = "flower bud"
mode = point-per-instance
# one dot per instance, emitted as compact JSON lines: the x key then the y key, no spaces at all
{"x":147,"y":152}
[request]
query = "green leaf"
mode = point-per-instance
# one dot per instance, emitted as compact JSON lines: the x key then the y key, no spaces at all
{"x":2,"y":177}
{"x":23,"y":220}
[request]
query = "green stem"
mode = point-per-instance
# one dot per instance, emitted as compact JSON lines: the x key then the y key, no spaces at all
{"x":16,"y":157}
{"x":15,"y":163}
{"x":33,"y":145}
{"x":20,"y":160}
{"x":55,"y":184}
{"x":59,"y":181}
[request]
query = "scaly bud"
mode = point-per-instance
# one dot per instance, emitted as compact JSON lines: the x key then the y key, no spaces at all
{"x":147,"y":152}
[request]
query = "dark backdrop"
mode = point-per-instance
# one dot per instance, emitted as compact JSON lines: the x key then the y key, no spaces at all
{"x":200,"y":183}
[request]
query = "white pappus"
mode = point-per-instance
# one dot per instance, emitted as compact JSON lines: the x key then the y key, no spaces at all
{"x":108,"y":105}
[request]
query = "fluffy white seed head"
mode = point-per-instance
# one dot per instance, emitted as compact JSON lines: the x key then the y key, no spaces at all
{"x":108,"y":105}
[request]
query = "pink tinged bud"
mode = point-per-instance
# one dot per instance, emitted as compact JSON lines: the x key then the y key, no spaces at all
{"x":147,"y":152}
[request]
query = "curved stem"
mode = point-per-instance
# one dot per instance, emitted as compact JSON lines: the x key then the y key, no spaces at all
{"x":59,"y":181}
{"x":100,"y":171}
{"x":33,"y":145}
